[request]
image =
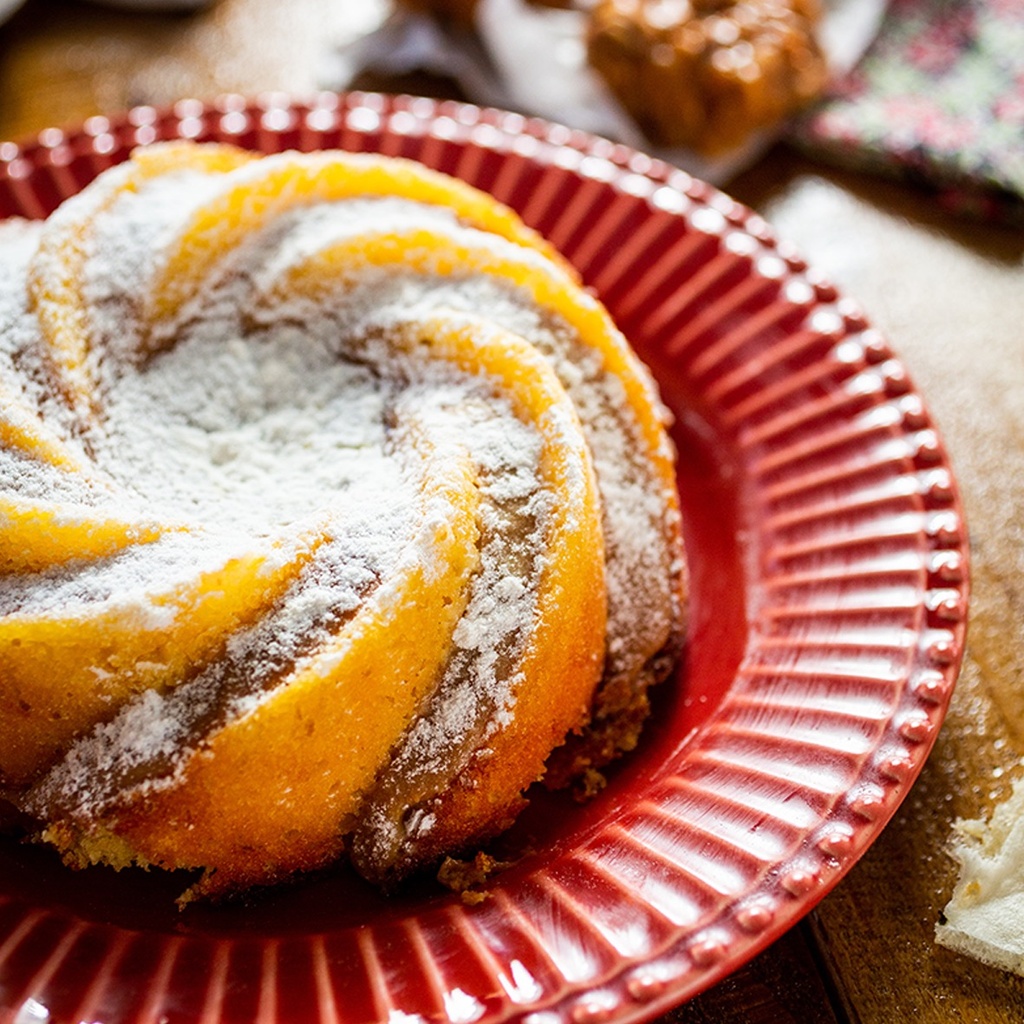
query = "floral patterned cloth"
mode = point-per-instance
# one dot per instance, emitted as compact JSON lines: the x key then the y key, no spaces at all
{"x":938,"y":98}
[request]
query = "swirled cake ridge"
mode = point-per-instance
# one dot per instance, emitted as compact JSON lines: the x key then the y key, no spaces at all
{"x":335,"y":504}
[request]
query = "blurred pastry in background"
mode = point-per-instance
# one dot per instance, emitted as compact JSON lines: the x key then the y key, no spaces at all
{"x":463,"y":11}
{"x":707,"y":74}
{"x":155,"y":5}
{"x":704,"y":75}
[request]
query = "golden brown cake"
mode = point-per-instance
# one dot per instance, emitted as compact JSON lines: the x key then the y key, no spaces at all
{"x":707,"y":74}
{"x":330,"y":505}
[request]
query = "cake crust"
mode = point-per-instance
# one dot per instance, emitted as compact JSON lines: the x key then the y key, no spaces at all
{"x":376,"y":456}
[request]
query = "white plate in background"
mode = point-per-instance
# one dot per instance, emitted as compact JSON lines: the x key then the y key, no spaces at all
{"x":532,"y":59}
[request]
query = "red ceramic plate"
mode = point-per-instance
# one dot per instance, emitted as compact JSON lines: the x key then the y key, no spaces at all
{"x":829,"y":568}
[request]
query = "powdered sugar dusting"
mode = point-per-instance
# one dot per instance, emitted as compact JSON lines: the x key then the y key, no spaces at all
{"x":255,"y":423}
{"x":247,"y":429}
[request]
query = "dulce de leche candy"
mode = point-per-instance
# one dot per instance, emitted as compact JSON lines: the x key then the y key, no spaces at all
{"x":707,"y":73}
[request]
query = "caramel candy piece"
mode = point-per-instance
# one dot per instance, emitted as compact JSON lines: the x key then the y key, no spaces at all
{"x":707,"y":74}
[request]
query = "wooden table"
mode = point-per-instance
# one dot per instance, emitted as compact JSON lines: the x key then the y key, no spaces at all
{"x":950,"y":297}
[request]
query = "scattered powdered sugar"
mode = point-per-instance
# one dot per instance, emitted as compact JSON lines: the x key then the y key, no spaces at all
{"x":26,"y":377}
{"x":248,"y":427}
{"x":514,"y":523}
{"x":34,"y":480}
{"x":18,"y":242}
{"x":476,"y":693}
{"x":307,"y":231}
{"x":148,"y":741}
{"x":135,"y":585}
{"x":640,"y":582}
{"x":126,"y":244}
{"x":156,"y":735}
{"x":253,"y":434}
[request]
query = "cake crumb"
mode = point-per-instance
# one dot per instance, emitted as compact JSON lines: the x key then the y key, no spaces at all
{"x":467,"y":876}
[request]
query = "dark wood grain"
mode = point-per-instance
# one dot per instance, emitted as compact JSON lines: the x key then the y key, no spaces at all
{"x":783,"y":985}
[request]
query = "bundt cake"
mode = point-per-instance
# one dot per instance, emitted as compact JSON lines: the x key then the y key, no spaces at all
{"x":330,"y":506}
